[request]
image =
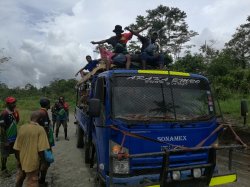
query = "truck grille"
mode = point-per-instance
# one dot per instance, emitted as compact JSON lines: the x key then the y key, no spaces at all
{"x":153,"y":165}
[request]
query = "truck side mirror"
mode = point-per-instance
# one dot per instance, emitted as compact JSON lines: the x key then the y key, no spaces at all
{"x":94,"y":107}
{"x":244,"y":108}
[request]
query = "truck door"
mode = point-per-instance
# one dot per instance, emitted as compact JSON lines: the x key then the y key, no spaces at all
{"x":100,"y":133}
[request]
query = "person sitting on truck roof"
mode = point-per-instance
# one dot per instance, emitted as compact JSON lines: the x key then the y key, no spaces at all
{"x":149,"y":50}
{"x":118,"y":43}
{"x":89,"y":67}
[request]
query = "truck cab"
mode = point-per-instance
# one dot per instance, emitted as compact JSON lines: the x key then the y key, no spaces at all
{"x":149,"y":128}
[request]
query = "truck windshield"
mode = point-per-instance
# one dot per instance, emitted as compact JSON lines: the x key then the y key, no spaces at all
{"x":161,"y":98}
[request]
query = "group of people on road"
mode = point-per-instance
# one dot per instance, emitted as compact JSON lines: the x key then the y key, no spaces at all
{"x":32,"y":143}
{"x":149,"y":54}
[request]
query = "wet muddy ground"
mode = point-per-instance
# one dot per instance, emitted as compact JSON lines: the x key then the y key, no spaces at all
{"x":69,"y":169}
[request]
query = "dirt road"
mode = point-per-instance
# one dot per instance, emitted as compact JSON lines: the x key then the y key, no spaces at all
{"x":69,"y":168}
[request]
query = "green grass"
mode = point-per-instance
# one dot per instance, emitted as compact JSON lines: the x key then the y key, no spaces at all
{"x":232,"y":108}
{"x":26,"y":105}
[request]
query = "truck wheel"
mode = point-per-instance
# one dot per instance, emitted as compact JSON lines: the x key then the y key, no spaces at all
{"x":80,"y":134}
{"x":93,"y":158}
{"x":87,"y":153}
{"x":100,"y":182}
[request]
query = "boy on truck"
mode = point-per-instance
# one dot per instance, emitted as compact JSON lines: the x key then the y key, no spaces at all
{"x":89,"y":67}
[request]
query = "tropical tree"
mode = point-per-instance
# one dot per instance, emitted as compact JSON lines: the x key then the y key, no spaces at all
{"x":171,"y":26}
{"x":240,"y":44}
{"x":190,"y":63}
{"x":208,"y":51}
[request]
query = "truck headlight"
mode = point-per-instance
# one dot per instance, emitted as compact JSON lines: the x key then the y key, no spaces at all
{"x":119,"y":166}
{"x":197,"y":173}
{"x":176,"y":175}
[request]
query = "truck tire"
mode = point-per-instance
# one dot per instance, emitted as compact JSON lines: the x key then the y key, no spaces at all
{"x":87,"y":153}
{"x":92,"y":156}
{"x":80,"y":134}
{"x":100,"y":182}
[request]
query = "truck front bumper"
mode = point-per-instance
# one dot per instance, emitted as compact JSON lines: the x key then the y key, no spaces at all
{"x":153,"y":180}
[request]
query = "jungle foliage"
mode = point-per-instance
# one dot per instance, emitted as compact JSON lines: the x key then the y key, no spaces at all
{"x":32,"y":94}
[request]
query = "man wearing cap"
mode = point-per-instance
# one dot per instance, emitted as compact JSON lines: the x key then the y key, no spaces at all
{"x":8,"y":132}
{"x":118,"y":43}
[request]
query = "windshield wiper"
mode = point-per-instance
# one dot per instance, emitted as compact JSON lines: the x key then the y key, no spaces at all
{"x":163,"y":118}
{"x":146,"y":118}
{"x":134,"y":117}
{"x":202,"y":117}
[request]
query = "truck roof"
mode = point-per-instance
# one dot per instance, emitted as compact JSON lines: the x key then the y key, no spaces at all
{"x":154,"y":72}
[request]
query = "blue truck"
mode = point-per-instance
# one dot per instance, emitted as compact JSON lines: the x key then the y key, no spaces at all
{"x":150,"y":128}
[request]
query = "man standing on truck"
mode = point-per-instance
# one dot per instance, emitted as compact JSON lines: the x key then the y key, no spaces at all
{"x":8,"y":132}
{"x":149,"y":50}
{"x":62,"y":109}
{"x":89,"y":67}
{"x":118,"y":43}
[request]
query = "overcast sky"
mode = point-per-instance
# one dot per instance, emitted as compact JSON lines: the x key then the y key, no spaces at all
{"x":49,"y":39}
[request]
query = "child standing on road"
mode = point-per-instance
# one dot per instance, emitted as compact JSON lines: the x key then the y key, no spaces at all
{"x":62,"y":110}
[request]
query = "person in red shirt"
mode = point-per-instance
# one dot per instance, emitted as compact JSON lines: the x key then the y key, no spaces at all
{"x":8,"y":132}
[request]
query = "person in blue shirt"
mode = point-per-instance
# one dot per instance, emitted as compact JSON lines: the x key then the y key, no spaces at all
{"x":89,"y":67}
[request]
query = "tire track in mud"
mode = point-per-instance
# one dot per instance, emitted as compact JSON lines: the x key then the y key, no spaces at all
{"x":69,"y":168}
